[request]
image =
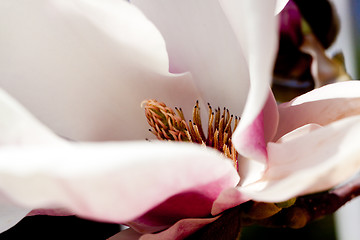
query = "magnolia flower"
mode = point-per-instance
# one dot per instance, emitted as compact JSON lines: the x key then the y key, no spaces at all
{"x":82,"y":69}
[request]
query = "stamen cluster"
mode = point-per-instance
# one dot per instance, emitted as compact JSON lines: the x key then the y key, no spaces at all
{"x":168,"y":125}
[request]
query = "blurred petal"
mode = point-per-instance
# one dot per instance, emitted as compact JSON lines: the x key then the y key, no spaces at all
{"x":312,"y":163}
{"x":324,"y":70}
{"x":83,"y":67}
{"x":17,"y":128}
{"x":128,"y":234}
{"x":112,"y":182}
{"x":320,"y":106}
{"x":228,"y":199}
{"x":256,"y":29}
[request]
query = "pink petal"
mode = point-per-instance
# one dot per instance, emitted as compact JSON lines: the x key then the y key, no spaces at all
{"x":178,"y":231}
{"x":113,"y":182}
{"x":51,"y":212}
{"x":181,"y":229}
{"x":222,"y":48}
{"x":256,"y":29}
{"x":320,"y":106}
{"x":252,"y":145}
{"x":128,"y":234}
{"x":251,"y":142}
{"x":228,"y":199}
{"x":196,"y":202}
{"x":84,"y":67}
{"x":311,"y":163}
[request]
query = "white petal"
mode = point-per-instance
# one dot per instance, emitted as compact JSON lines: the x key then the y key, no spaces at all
{"x":214,"y":43}
{"x":109,"y":182}
{"x":84,"y":67}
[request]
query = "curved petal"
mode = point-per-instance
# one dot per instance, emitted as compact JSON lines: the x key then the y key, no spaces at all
{"x":251,"y":142}
{"x":215,"y":41}
{"x":314,"y":162}
{"x":84,"y":67}
{"x":110,"y":182}
{"x":256,"y":29}
{"x":320,"y":106}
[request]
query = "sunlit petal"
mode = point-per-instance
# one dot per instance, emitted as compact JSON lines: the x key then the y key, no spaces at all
{"x":314,"y":162}
{"x":303,"y":130}
{"x":320,"y":106}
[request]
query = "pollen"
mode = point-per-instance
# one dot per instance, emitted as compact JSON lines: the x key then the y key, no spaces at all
{"x":167,"y":124}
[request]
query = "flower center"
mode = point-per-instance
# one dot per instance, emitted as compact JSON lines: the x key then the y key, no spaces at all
{"x":167,"y":124}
